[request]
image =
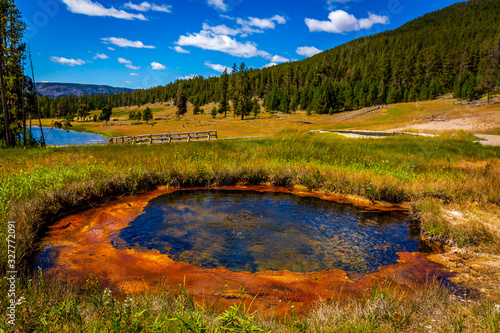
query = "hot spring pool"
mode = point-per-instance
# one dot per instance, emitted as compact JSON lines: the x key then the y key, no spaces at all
{"x":258,"y":231}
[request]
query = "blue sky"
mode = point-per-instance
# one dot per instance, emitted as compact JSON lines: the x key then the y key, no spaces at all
{"x":142,"y":44}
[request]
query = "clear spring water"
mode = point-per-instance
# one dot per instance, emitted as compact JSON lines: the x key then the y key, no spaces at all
{"x":60,"y":137}
{"x":256,"y":231}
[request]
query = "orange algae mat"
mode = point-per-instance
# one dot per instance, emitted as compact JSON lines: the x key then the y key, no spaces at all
{"x":82,"y":246}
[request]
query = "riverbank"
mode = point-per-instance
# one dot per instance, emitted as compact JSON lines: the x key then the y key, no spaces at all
{"x":432,"y":176}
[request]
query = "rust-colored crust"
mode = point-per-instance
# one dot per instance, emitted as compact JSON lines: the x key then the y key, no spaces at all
{"x":83,"y":246}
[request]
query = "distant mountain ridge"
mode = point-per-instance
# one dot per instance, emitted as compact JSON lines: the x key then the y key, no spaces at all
{"x":56,"y":89}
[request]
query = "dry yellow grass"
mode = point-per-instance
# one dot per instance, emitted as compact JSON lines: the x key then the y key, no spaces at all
{"x":393,"y":116}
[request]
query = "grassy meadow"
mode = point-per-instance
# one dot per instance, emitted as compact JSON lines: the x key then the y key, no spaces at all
{"x":266,"y":123}
{"x":429,"y":175}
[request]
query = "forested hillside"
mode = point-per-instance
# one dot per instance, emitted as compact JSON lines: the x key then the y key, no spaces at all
{"x":455,"y":49}
{"x":51,"y":89}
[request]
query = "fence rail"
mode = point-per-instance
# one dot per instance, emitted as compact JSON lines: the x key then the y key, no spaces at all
{"x":165,"y":137}
{"x":96,"y":142}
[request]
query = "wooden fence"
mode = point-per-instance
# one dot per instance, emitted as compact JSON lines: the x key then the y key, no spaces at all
{"x":165,"y":137}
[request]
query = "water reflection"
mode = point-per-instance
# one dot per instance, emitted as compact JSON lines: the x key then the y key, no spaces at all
{"x":254,"y":231}
{"x":60,"y":137}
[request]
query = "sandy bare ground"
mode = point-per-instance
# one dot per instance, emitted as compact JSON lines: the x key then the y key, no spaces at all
{"x":480,"y":122}
{"x":488,"y":139}
{"x":473,"y":123}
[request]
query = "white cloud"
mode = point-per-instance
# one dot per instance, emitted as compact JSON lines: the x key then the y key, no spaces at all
{"x":110,"y":48}
{"x":278,"y":58}
{"x":246,"y":29}
{"x":271,"y":64}
{"x":87,"y":7}
{"x":218,"y":38}
{"x":146,"y":6}
{"x":101,"y":56}
{"x":157,"y":66}
{"x":372,"y":19}
{"x":134,"y":74}
{"x":341,"y":22}
{"x":209,"y":41}
{"x":307,"y":51}
{"x":67,"y":62}
{"x":128,"y":82}
{"x":332,"y":4}
{"x":122,"y":42}
{"x":162,"y":8}
{"x":279,"y":19}
{"x":246,"y":25}
{"x":129,"y":66}
{"x":143,"y":7}
{"x":265,"y":23}
{"x":221,"y":30}
{"x":217,"y":67}
{"x":187,"y":77}
{"x":124,"y":61}
{"x":179,"y":49}
{"x":219,"y":4}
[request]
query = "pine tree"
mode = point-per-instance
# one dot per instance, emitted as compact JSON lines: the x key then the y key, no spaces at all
{"x":147,"y":115}
{"x":138,"y":116}
{"x":82,"y":111}
{"x":488,"y":72}
{"x":196,"y":109}
{"x":106,"y":114}
{"x":243,"y":99}
{"x":181,"y":100}
{"x":255,"y":107}
{"x":12,"y":54}
{"x":223,"y":87}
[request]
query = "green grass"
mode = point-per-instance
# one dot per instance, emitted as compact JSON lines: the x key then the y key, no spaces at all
{"x":48,"y":306}
{"x":394,"y":169}
{"x":391,"y":114}
{"x":81,"y":127}
{"x":40,"y":184}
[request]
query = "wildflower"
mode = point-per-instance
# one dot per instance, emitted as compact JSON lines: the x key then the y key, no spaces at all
{"x":107,"y":296}
{"x":107,"y":292}
{"x":396,"y":315}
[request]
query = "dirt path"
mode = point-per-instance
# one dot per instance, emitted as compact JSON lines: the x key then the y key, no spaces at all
{"x":488,"y":139}
{"x":474,"y":123}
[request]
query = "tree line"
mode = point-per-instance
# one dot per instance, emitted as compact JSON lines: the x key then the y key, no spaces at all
{"x":453,"y":50}
{"x":18,"y":97}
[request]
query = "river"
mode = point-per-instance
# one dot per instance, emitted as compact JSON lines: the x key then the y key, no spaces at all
{"x":60,"y":137}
